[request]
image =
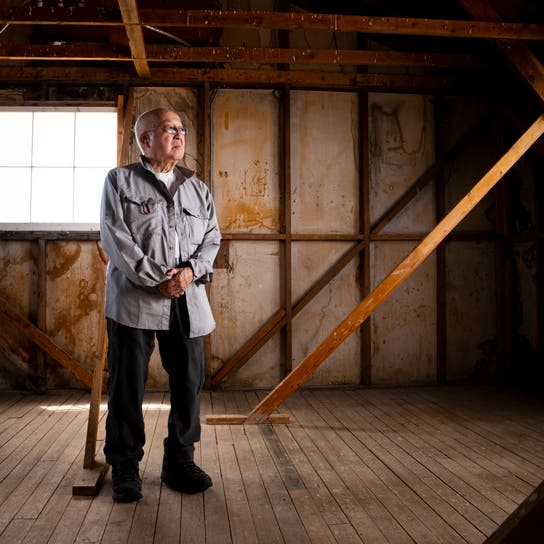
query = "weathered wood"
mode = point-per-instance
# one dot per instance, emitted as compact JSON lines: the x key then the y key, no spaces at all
{"x":274,"y":78}
{"x":364,"y":268}
{"x":524,"y":524}
{"x":279,"y":319}
{"x":41,"y":368}
{"x":402,"y":466}
{"x":424,"y":179}
{"x":43,"y":341}
{"x":94,"y":406}
{"x":341,"y":23}
{"x":251,"y":346}
{"x":284,"y":152}
{"x":237,"y":419}
{"x":88,"y":16}
{"x":128,"y":118}
{"x":254,"y":55}
{"x":131,"y":19}
{"x":306,"y":368}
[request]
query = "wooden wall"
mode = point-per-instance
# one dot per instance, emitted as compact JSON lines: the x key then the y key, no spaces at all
{"x":300,"y":178}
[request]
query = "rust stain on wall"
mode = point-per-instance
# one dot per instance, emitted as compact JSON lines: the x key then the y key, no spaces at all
{"x":238,"y":214}
{"x":66,"y":256}
{"x":251,"y":209}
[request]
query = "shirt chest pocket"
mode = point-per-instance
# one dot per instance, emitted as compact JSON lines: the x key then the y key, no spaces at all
{"x":143,"y":215}
{"x":195,"y":222}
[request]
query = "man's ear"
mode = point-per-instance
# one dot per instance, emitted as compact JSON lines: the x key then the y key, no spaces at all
{"x":144,"y":139}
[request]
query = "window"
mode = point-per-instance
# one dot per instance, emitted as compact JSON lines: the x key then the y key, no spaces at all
{"x":53,"y":163}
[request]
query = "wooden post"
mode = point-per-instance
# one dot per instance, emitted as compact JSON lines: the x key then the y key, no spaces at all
{"x":305,"y":369}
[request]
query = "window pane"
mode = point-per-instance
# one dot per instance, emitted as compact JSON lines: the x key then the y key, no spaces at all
{"x":53,"y":142}
{"x":96,"y":139}
{"x":52,"y":195}
{"x":15,"y":138}
{"x":15,"y":191}
{"x":88,"y":183}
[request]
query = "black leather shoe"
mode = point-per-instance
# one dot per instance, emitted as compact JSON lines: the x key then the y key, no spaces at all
{"x":187,"y":478}
{"x":126,"y":482}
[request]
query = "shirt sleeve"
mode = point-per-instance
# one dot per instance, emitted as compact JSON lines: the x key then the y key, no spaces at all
{"x":124,"y":253}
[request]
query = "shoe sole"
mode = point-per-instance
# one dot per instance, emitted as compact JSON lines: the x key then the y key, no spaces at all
{"x":190,"y":490}
{"x":127,"y":497}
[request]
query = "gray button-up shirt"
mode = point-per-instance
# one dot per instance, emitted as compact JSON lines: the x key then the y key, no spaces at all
{"x":138,"y":224}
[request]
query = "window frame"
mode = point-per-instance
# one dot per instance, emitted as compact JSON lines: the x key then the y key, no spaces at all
{"x":26,"y":229}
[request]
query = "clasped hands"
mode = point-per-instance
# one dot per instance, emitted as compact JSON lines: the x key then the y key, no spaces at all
{"x":180,"y":278}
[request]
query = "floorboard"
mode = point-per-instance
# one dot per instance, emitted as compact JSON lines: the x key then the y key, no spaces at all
{"x":444,"y":465}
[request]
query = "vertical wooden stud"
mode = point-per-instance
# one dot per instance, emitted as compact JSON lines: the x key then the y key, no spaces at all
{"x":41,"y":367}
{"x":440,"y":211}
{"x":364,"y":225}
{"x":287,"y":269}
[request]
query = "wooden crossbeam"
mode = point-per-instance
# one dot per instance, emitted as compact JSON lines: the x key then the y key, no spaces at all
{"x":44,"y":342}
{"x":400,"y":274}
{"x":254,"y":55}
{"x":92,"y":16}
{"x":342,"y":23}
{"x":295,"y":78}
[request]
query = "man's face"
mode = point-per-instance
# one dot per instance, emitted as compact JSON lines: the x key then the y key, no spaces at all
{"x":161,"y":144}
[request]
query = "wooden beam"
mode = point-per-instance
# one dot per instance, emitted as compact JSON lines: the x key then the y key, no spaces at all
{"x":284,"y":151}
{"x":516,"y":52}
{"x":269,"y":78}
{"x":43,"y":341}
{"x":253,"y":55}
{"x":341,"y":23}
{"x":364,"y":276}
{"x":133,"y":27}
{"x":400,"y":274}
{"x":239,"y":419}
{"x":128,"y":118}
{"x":275,"y":21}
{"x":41,"y":322}
{"x":89,"y":459}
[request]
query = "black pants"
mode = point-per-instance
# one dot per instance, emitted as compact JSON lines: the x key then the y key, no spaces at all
{"x":129,"y":351}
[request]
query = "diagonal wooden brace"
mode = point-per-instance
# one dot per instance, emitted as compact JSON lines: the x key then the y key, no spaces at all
{"x":43,"y":341}
{"x":305,"y":369}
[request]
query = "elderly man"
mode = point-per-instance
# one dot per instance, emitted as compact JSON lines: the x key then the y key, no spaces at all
{"x":159,"y":229}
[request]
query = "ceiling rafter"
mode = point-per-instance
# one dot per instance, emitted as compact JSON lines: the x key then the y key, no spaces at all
{"x":163,"y":53}
{"x":271,"y":20}
{"x":269,"y":78}
{"x":133,"y":27}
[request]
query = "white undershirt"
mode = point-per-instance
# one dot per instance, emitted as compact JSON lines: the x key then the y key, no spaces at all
{"x":168,"y":178}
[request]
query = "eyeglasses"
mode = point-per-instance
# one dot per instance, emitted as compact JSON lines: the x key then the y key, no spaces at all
{"x":176,"y":130}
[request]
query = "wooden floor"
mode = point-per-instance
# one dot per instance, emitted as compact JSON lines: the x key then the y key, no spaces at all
{"x":376,"y":466}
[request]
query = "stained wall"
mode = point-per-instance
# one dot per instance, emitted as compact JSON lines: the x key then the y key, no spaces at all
{"x":403,"y":342}
{"x":246,"y":181}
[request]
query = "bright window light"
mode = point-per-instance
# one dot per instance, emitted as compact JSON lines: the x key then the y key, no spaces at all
{"x":53,"y":164}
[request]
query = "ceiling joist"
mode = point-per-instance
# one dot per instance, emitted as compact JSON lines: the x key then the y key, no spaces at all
{"x":270,"y":20}
{"x":269,"y":78}
{"x":131,"y":20}
{"x":163,"y":53}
